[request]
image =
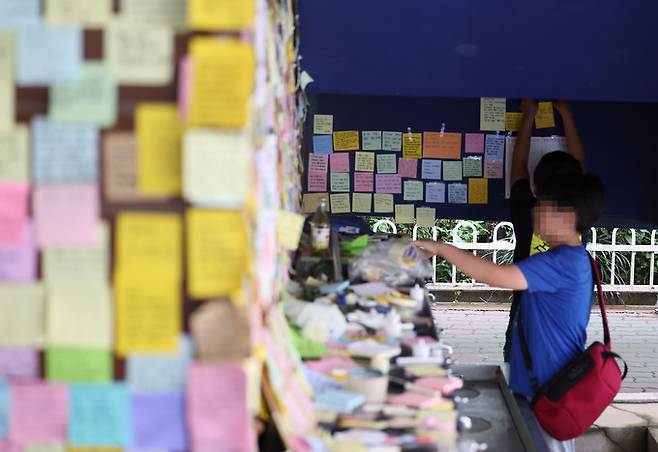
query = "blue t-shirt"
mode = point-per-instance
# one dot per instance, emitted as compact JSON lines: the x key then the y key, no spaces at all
{"x":555,"y":310}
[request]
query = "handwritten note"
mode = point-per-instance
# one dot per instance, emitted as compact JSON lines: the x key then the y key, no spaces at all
{"x":457,"y":193}
{"x":78,"y":12}
{"x":340,"y":203}
{"x":347,"y":140}
{"x":217,"y":168}
{"x":340,"y":182}
{"x":323,"y":144}
{"x":158,"y":421}
{"x":383,"y":203}
{"x":99,"y":415}
{"x":7,"y":88}
{"x":431,"y":169}
{"x":362,"y":202}
{"x":412,"y":145}
{"x":492,"y":113}
{"x":14,"y":151}
{"x":289,"y":226}
{"x":64,"y":152}
{"x":474,"y":143}
{"x":413,"y":190}
{"x":13,"y":212}
{"x":493,"y":169}
{"x":478,"y":191}
{"x":311,"y":201}
{"x":472,"y":166}
{"x":323,"y":124}
{"x":405,"y":214}
{"x":159,"y":133}
{"x":317,"y":181}
{"x":426,"y":217}
{"x":78,"y":365}
{"x":119,"y":166}
{"x":318,"y":163}
{"x":452,"y":170}
{"x":47,"y":55}
{"x":170,"y":13}
{"x":39,"y":412}
{"x":139,"y":55}
{"x":340,"y":163}
{"x":408,"y":167}
{"x":225,"y":15}
{"x":19,"y":13}
{"x":392,"y":141}
{"x":364,"y":181}
{"x":159,"y":372}
{"x":545,"y":119}
{"x":364,"y":161}
{"x":50,"y":448}
{"x":435,"y":192}
{"x":19,"y":362}
{"x":495,"y":147}
{"x":387,"y":163}
{"x":92,"y":99}
{"x":442,"y":145}
{"x":388,"y":183}
{"x":371,"y":140}
{"x":513,"y":121}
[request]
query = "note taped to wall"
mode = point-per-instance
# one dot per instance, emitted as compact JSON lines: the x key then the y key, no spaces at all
{"x":323,"y":124}
{"x":545,"y":119}
{"x":317,"y":182}
{"x":388,"y":183}
{"x":392,"y":141}
{"x":223,"y":78}
{"x":19,"y":362}
{"x":78,"y":365}
{"x":170,"y":13}
{"x":371,"y":140}
{"x":39,"y":412}
{"x":478,"y":191}
{"x":364,"y":182}
{"x":387,"y":163}
{"x":405,"y":214}
{"x":408,"y":167}
{"x":99,"y":415}
{"x":362,"y":202}
{"x":120,"y":166}
{"x":22,"y":315}
{"x":47,"y":55}
{"x":442,"y":145}
{"x":457,"y":193}
{"x":158,"y":421}
{"x":160,"y":372}
{"x":435,"y":192}
{"x":7,"y":88}
{"x":340,"y":203}
{"x":78,"y":12}
{"x":513,"y":121}
{"x":492,"y":113}
{"x":452,"y":170}
{"x":346,"y":140}
{"x":18,"y":260}
{"x":426,"y":217}
{"x":474,"y":143}
{"x":364,"y":161}
{"x":383,"y":203}
{"x":413,"y":190}
{"x":472,"y":166}
{"x":13,"y":212}
{"x":412,"y":145}
{"x":339,"y":162}
{"x":19,"y":13}
{"x":14,"y":155}
{"x":311,"y":201}
{"x":220,"y":15}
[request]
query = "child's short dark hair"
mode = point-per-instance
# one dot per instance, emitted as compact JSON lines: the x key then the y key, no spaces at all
{"x":582,"y":192}
{"x":554,"y":164}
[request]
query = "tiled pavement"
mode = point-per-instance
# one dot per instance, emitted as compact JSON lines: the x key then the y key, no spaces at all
{"x":477,"y":333}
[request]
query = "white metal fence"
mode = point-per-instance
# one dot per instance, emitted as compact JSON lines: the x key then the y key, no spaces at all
{"x":507,"y":243}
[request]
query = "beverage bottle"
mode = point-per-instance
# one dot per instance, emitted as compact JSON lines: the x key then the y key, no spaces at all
{"x":320,"y":228}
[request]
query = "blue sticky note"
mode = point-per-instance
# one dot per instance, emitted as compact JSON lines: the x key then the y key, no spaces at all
{"x":323,"y":144}
{"x":338,"y":400}
{"x":159,"y":421}
{"x":47,"y":55}
{"x":435,"y":192}
{"x":4,"y":408}
{"x":19,"y":13}
{"x":494,"y":148}
{"x":431,"y":169}
{"x":457,"y":193}
{"x":63,"y":152}
{"x":99,"y":415}
{"x":160,"y":372}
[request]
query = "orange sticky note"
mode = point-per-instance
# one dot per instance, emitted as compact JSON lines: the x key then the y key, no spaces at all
{"x":478,"y":191}
{"x":412,"y":145}
{"x":347,"y":140}
{"x":442,"y":145}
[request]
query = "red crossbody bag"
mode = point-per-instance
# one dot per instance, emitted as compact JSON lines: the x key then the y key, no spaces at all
{"x":574,"y":398}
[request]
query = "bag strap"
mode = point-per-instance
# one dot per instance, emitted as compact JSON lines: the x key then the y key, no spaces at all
{"x":596,"y":275}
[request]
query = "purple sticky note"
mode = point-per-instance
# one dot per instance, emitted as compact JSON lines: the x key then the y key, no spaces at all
{"x":159,"y":421}
{"x":18,"y":260}
{"x":495,"y":147}
{"x":431,"y":169}
{"x":339,"y":162}
{"x":318,"y":163}
{"x":474,"y":143}
{"x":408,"y":168}
{"x":363,"y":182}
{"x":457,"y":193}
{"x":493,"y":169}
{"x":317,"y":182}
{"x":323,"y":144}
{"x":388,"y":183}
{"x":18,"y":362}
{"x":435,"y":192}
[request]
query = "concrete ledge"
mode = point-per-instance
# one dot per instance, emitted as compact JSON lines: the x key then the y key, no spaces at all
{"x":636,"y":397}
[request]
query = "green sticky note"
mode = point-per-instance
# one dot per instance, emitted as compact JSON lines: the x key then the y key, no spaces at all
{"x":472,"y":167}
{"x":307,"y":348}
{"x":77,"y":365}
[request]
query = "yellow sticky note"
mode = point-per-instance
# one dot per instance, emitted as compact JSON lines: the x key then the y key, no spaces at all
{"x":513,"y":121}
{"x":159,"y":135}
{"x":217,"y":252}
{"x":426,"y":217}
{"x":364,"y":161}
{"x":216,"y":15}
{"x":289,"y":225}
{"x":383,"y":203}
{"x":478,"y":191}
{"x":91,"y":14}
{"x":14,"y":154}
{"x":404,"y":213}
{"x":222,"y":82}
{"x":412,"y":145}
{"x":545,"y":118}
{"x":311,"y":201}
{"x":22,"y":315}
{"x":149,"y":245}
{"x":340,"y":203}
{"x":492,"y":113}
{"x":362,"y":202}
{"x":323,"y":124}
{"x":7,"y":91}
{"x":347,"y":140}
{"x":148,"y":313}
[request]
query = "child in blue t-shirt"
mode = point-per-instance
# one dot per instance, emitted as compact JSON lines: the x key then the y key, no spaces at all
{"x":557,"y":285}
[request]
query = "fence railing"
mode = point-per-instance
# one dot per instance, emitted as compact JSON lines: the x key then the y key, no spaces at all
{"x":508,"y":243}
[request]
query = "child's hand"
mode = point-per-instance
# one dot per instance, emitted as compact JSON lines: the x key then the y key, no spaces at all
{"x":562,"y":106}
{"x":428,"y":246}
{"x":529,"y":107}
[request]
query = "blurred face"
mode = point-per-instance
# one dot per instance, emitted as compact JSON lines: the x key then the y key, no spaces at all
{"x":552,"y":222}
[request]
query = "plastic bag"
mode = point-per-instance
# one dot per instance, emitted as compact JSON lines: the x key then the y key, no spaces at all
{"x":395,"y":262}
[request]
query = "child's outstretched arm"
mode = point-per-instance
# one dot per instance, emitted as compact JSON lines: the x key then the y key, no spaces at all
{"x":522,"y":146}
{"x":574,"y":145}
{"x":504,"y":276}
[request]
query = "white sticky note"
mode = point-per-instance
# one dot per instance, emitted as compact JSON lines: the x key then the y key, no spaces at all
{"x":392,"y":141}
{"x":7,"y":88}
{"x":323,"y":124}
{"x":492,"y":113}
{"x":22,"y":315}
{"x":404,"y":214}
{"x":413,"y":190}
{"x":426,"y":217}
{"x":160,"y":372}
{"x":340,"y":182}
{"x":340,"y":203}
{"x":14,"y":155}
{"x":91,"y":14}
{"x":47,"y":55}
{"x":19,"y":13}
{"x":171,"y":13}
{"x":371,"y":140}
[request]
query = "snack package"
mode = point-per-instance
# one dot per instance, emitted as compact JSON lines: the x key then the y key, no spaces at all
{"x":395,"y":262}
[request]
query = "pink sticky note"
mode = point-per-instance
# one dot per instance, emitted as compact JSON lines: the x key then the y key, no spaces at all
{"x":388,"y":183}
{"x":474,"y":143}
{"x":66,"y":214}
{"x":318,"y":163}
{"x":317,"y":182}
{"x":6,"y":446}
{"x":184,"y":87}
{"x":39,"y":412}
{"x":13,"y":212}
{"x":18,"y":362}
{"x":408,"y":168}
{"x":18,"y":260}
{"x":493,"y":169}
{"x":340,"y":162}
{"x":363,"y":181}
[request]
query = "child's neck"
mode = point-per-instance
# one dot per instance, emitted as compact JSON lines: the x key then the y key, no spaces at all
{"x":568,"y":238}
